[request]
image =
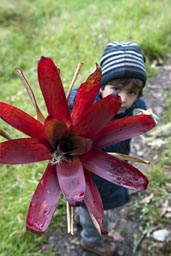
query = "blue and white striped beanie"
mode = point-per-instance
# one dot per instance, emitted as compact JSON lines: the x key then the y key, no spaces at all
{"x":122,"y":60}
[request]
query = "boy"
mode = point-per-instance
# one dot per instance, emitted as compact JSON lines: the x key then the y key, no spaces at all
{"x":124,"y":73}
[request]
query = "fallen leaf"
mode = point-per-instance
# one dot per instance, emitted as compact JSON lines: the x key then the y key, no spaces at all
{"x":168,"y":215}
{"x":168,"y":187}
{"x":147,"y":199}
{"x":164,"y":208}
{"x":117,"y":236}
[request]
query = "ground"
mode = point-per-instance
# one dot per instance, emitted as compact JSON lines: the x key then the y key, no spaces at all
{"x":124,"y":224}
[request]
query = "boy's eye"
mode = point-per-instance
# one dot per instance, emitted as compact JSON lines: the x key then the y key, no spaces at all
{"x":133,"y":93}
{"x":116,"y":89}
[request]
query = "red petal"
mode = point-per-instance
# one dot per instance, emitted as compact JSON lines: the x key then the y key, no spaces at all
{"x":123,"y":129}
{"x":86,"y":94}
{"x":22,"y":151}
{"x":44,"y":201}
{"x":21,"y":121}
{"x":96,"y":117}
{"x":52,"y":90}
{"x":114,"y":170}
{"x":72,"y":181}
{"x":94,"y":203}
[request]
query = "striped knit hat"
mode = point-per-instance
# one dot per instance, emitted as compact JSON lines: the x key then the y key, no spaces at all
{"x":122,"y":60}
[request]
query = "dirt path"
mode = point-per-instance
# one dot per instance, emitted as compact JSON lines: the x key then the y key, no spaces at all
{"x":123,"y":227}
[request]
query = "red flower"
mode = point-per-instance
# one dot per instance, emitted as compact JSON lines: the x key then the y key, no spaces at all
{"x":72,"y":145}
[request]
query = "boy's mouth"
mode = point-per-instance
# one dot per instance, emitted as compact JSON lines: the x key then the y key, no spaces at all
{"x":122,"y":109}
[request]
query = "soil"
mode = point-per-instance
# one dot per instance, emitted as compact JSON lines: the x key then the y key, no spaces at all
{"x":124,"y":223}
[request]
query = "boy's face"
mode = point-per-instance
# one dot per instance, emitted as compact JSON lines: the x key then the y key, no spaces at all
{"x":128,"y":93}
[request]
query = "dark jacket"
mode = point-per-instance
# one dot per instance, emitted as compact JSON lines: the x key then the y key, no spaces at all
{"x":113,"y":195}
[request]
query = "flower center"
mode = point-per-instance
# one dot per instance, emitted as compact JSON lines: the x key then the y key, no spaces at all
{"x":59,"y":158}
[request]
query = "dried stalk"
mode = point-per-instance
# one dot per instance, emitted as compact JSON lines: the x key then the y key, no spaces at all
{"x":4,"y":134}
{"x":74,"y":80}
{"x":39,"y":113}
{"x":129,"y":158}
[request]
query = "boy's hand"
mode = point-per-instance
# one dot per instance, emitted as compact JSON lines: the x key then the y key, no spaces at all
{"x":149,"y":111}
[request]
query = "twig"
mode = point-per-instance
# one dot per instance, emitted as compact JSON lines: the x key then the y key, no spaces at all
{"x":137,"y":245}
{"x":74,"y":80}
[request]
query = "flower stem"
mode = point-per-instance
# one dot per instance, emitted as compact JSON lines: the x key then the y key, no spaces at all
{"x":69,"y":218}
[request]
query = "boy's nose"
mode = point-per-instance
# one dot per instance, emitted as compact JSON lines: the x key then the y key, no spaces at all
{"x":123,"y":96}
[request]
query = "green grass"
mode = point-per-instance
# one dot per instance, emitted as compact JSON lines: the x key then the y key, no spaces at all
{"x":69,"y":32}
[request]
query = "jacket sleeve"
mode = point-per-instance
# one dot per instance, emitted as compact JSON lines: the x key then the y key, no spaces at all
{"x":140,"y":103}
{"x":72,"y":99}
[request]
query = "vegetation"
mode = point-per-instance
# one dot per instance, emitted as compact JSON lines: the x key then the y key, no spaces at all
{"x":69,"y":32}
